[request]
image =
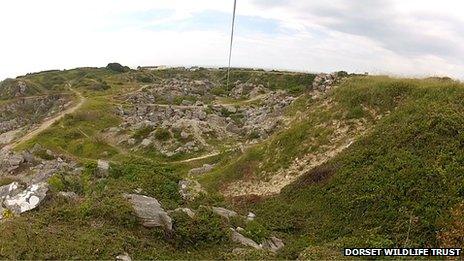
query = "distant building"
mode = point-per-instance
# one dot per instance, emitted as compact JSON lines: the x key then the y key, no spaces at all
{"x":153,"y":68}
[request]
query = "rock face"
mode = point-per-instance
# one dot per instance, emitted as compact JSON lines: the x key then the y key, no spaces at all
{"x":273,"y":244}
{"x":27,"y":199}
{"x":26,"y":111}
{"x":239,"y":238}
{"x":150,"y":212}
{"x":223,"y":212}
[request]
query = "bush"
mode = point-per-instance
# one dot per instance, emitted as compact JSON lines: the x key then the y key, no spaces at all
{"x":142,"y":133}
{"x":206,"y":228}
{"x":162,"y":134}
{"x":256,"y":231}
{"x":116,"y":67}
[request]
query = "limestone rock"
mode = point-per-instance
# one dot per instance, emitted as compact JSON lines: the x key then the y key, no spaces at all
{"x":68,"y":194}
{"x":190,"y":189}
{"x":150,"y":212}
{"x":9,"y":190}
{"x":187,"y":211}
{"x":124,"y":257}
{"x":27,"y":199}
{"x":145,"y":142}
{"x":239,"y":238}
{"x":103,"y":166}
{"x":251,"y":216}
{"x":323,"y":82}
{"x":273,"y":244}
{"x":223,"y":212}
{"x":201,"y":170}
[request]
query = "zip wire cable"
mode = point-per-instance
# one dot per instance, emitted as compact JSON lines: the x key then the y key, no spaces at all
{"x":231,"y":42}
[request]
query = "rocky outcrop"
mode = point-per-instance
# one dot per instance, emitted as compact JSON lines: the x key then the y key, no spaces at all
{"x":324,"y":82}
{"x":27,"y":199}
{"x":273,"y":244}
{"x":239,"y":238}
{"x":23,"y":112}
{"x":149,"y":211}
{"x":194,"y":124}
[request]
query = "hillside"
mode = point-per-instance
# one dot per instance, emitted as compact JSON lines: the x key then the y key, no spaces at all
{"x":174,"y":164}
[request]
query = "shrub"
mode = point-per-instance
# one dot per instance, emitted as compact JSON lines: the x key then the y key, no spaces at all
{"x":256,"y":231}
{"x":206,"y":228}
{"x":142,"y":133}
{"x":162,"y":134}
{"x":116,"y":67}
{"x":56,"y":183}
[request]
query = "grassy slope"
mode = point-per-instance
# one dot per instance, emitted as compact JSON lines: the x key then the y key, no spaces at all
{"x":100,"y":224}
{"x":395,"y":187}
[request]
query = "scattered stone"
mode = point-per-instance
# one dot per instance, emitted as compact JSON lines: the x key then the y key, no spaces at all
{"x":251,"y":216}
{"x":150,"y":212}
{"x":8,"y":137}
{"x":28,"y":199}
{"x":201,"y":170}
{"x":187,"y":211}
{"x":68,"y":195}
{"x":145,"y":142}
{"x":239,"y":238}
{"x":231,"y":109}
{"x":273,"y":244}
{"x":190,"y":189}
{"x":324,"y":82}
{"x":131,"y":141}
{"x":103,"y":166}
{"x":184,"y":135}
{"x":28,"y":157}
{"x":224,"y":212}
{"x":124,"y":257}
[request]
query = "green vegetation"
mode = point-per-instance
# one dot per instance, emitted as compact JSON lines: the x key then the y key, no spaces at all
{"x":143,"y":132}
{"x":206,"y":228}
{"x":78,"y":134}
{"x":394,"y":187}
{"x":162,"y":134}
{"x":399,"y":185}
{"x":116,"y":67}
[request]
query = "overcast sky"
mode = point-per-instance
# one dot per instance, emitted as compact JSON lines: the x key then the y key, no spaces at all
{"x":400,"y":37}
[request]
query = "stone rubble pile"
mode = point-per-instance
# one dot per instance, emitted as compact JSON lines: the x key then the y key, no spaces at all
{"x":324,"y":82}
{"x":193,"y":124}
{"x":31,"y":174}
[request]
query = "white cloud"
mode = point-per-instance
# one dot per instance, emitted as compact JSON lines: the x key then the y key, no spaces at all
{"x":407,"y":37}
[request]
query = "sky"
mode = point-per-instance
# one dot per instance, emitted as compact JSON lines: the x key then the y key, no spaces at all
{"x":416,"y":38}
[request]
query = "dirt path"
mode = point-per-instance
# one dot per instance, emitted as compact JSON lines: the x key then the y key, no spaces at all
{"x":212,"y":154}
{"x":48,"y":122}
